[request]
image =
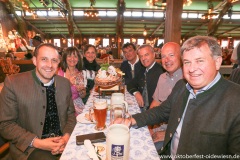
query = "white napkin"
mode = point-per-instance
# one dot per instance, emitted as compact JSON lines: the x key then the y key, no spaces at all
{"x":91,"y":150}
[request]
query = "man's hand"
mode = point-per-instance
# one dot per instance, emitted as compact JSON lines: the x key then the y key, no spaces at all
{"x":154,"y":103}
{"x":158,"y":136}
{"x":49,"y":144}
{"x":139,"y":99}
{"x":64,"y":139}
{"x":54,"y":144}
{"x":128,"y":121}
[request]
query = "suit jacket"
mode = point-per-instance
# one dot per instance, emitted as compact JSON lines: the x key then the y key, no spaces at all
{"x":126,"y":68}
{"x":235,"y":75}
{"x":23,"y":104}
{"x":137,"y":84}
{"x":211,"y":124}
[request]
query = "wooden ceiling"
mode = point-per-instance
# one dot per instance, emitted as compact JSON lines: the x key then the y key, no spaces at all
{"x":105,"y":26}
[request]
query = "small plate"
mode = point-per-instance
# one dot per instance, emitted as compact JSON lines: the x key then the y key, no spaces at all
{"x":101,"y":148}
{"x":82,"y":118}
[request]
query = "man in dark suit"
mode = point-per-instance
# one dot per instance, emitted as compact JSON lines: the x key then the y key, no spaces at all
{"x":131,"y":66}
{"x":36,"y":109}
{"x":203,"y":111}
{"x":143,"y":85}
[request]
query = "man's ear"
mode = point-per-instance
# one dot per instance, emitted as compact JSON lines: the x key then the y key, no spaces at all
{"x":34,"y":59}
{"x":218,"y":61}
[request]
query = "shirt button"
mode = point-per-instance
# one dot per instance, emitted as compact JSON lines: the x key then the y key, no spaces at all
{"x":170,"y":135}
{"x":179,"y":119}
{"x":41,"y":123}
{"x":42,"y":91}
{"x":44,"y":107}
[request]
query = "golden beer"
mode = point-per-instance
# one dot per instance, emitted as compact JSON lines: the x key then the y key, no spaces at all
{"x":100,"y":113}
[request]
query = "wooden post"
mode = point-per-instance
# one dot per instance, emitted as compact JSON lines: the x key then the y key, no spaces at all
{"x":173,"y":21}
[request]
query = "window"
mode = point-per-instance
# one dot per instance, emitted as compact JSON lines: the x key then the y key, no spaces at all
{"x":28,"y":14}
{"x":147,"y":14}
{"x":19,"y":13}
{"x":160,"y":41}
{"x":126,"y":40}
{"x":224,"y":43}
{"x":78,"y":13}
{"x":127,"y":14}
{"x":140,"y":41}
{"x":111,"y":13}
{"x":105,"y":42}
{"x":57,"y":42}
{"x":184,"y":15}
{"x":70,"y":42}
{"x":158,"y":14}
{"x":235,"y":42}
{"x":53,"y":13}
{"x":192,"y":15}
{"x":91,"y":41}
{"x":136,"y":14}
{"x":42,"y":13}
{"x":102,"y":13}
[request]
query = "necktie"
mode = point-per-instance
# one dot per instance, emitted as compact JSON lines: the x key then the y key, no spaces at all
{"x":132,"y":73}
{"x":145,"y":92}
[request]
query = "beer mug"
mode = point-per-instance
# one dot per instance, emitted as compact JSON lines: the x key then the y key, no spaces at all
{"x":118,"y":142}
{"x":100,"y":113}
{"x":119,"y":114}
{"x":118,"y":98}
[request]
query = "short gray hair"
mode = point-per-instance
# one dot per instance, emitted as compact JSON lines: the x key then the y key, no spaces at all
{"x":144,"y":46}
{"x":198,"y":41}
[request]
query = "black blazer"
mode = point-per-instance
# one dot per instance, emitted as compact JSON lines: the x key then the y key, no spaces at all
{"x":137,"y":84}
{"x":126,"y":68}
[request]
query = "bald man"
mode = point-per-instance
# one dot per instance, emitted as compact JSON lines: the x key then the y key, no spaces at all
{"x":171,"y":62}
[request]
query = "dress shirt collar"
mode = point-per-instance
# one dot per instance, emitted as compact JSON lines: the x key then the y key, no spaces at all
{"x":177,"y":73}
{"x":216,"y":79}
{"x":147,"y":69}
{"x":49,"y":83}
{"x":46,"y":84}
{"x":132,"y":65}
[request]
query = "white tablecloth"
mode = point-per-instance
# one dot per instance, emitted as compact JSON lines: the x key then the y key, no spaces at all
{"x":141,"y":144}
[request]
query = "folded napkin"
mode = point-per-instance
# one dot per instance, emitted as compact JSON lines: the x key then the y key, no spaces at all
{"x":91,"y":150}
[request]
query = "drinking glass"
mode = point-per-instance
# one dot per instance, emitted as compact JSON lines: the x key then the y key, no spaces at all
{"x":119,"y":114}
{"x":118,"y":142}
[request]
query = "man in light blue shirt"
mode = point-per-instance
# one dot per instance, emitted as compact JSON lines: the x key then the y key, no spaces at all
{"x":202,"y":110}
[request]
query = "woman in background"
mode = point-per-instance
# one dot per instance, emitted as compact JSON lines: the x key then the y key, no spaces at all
{"x":90,"y":67}
{"x":71,"y":68}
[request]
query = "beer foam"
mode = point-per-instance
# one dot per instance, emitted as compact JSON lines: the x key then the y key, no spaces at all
{"x":100,"y":105}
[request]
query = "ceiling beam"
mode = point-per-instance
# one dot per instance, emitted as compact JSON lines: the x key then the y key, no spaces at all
{"x":77,"y":28}
{"x":69,"y":18}
{"x":159,"y":26}
{"x":35,"y":28}
{"x":216,"y":23}
{"x":230,"y":30}
{"x":20,"y":22}
{"x":190,"y":32}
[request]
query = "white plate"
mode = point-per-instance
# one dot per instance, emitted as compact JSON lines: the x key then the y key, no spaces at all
{"x":102,"y":150}
{"x":81,"y":118}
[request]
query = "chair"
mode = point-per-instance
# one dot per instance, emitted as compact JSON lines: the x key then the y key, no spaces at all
{"x":4,"y":146}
